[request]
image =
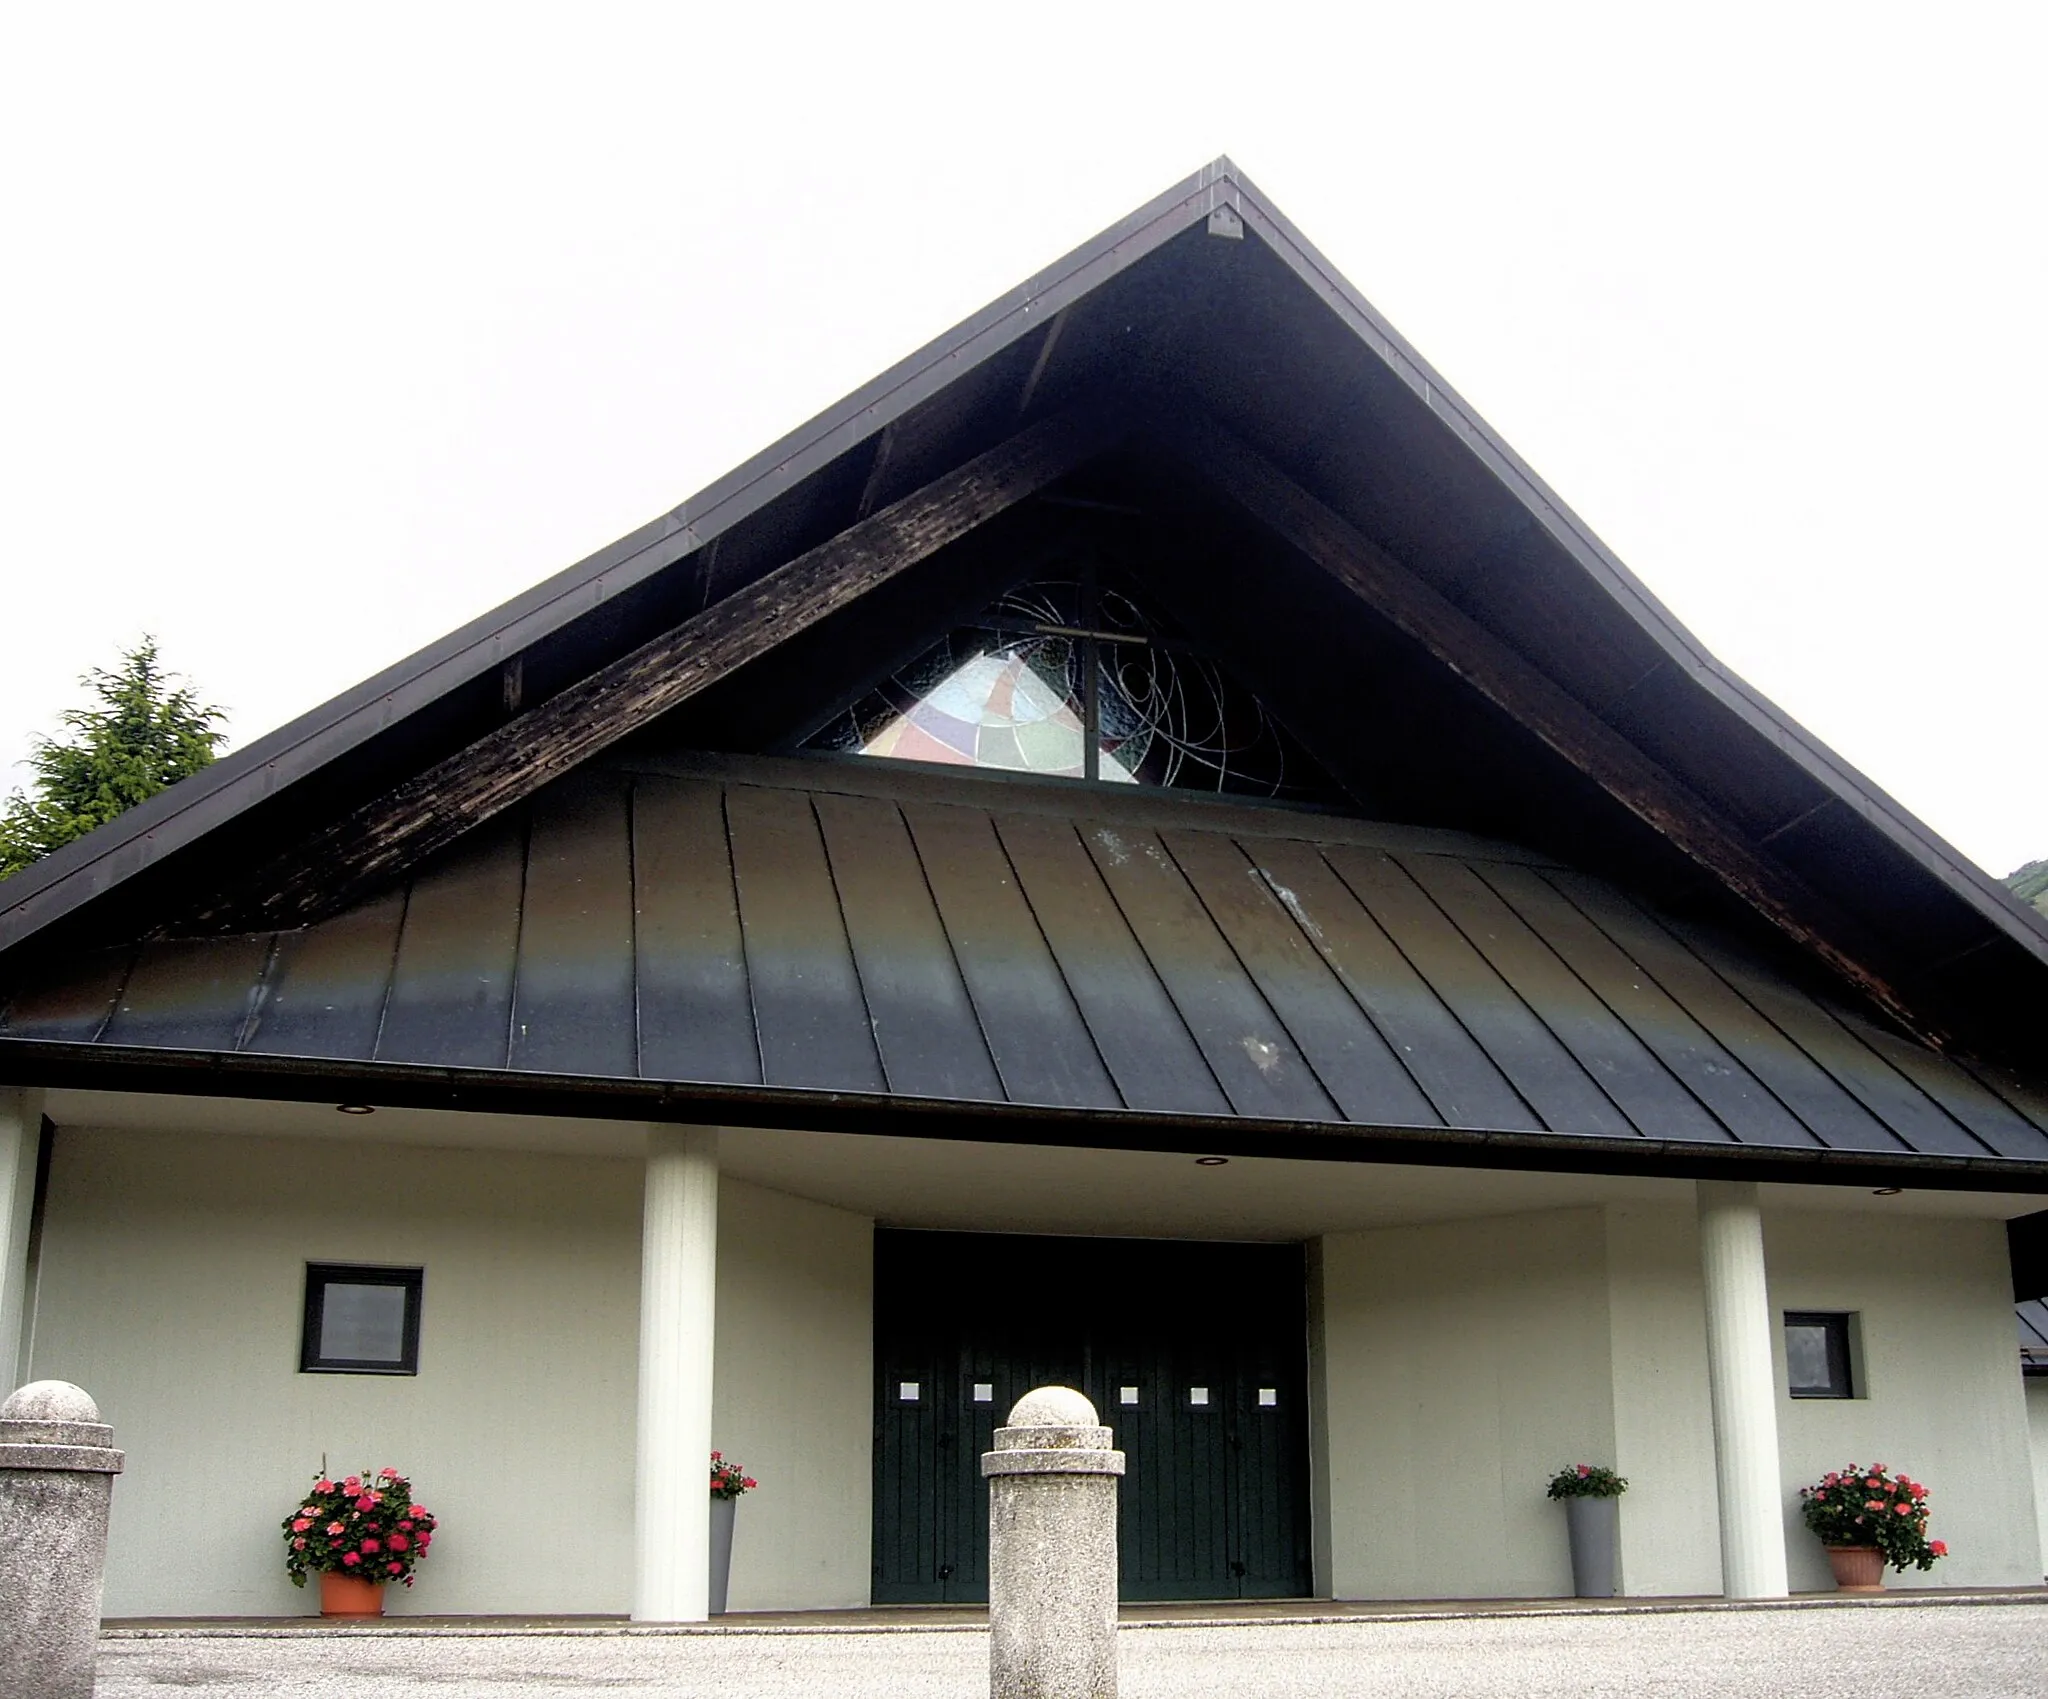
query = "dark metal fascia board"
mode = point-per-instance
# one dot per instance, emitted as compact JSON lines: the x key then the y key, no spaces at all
{"x":73,"y":875}
{"x":1871,"y":802}
{"x":185,"y":1073}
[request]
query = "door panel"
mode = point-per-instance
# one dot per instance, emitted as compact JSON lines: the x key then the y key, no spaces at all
{"x":1214,"y":1503}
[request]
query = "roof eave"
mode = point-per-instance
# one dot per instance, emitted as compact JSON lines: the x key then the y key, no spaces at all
{"x":189,"y":1073}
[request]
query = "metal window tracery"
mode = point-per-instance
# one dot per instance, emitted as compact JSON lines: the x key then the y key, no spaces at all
{"x":1078,"y":679}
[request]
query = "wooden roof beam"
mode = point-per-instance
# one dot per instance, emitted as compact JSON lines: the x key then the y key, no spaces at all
{"x":1516,"y":685}
{"x":365,"y":849}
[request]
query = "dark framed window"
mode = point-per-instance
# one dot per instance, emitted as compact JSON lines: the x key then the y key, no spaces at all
{"x":361,"y":1321}
{"x":1817,"y":1362}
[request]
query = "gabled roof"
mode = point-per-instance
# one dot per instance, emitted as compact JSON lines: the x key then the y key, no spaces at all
{"x":1244,"y":358}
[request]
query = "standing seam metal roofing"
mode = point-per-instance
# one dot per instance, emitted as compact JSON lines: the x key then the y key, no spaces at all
{"x":797,"y":925}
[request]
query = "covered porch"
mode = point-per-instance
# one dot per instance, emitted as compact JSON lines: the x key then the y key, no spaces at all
{"x":1468,"y":1331}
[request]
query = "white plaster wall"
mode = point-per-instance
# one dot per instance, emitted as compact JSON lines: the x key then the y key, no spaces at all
{"x":1463,"y":1364}
{"x":172,"y":1280}
{"x":2037,"y":1419}
{"x":1944,"y":1401}
{"x":793,"y":1398}
{"x":1663,"y":1417}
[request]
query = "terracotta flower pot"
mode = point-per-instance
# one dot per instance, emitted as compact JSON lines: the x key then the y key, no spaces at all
{"x":346,"y":1596}
{"x":1858,"y":1569}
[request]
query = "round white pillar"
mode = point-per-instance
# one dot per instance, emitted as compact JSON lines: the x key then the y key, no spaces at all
{"x":21,"y":1127}
{"x":1745,"y":1399}
{"x":678,"y":1276}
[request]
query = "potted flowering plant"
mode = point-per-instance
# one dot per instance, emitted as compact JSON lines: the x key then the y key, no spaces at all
{"x":1867,"y":1518}
{"x":358,"y":1535}
{"x":1592,"y":1515}
{"x":728,"y":1481}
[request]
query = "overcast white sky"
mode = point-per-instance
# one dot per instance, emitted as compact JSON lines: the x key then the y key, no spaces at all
{"x":324,"y":329}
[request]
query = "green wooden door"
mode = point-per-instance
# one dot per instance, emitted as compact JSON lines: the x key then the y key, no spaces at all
{"x":1194,"y":1353}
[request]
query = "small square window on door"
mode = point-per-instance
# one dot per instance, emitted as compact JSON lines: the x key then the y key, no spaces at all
{"x":1817,"y":1355}
{"x":361,"y":1321}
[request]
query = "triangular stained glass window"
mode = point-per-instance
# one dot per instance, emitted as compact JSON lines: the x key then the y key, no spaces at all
{"x":1022,"y":687}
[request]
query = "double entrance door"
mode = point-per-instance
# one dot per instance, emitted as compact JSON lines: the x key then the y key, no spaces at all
{"x":1195,"y":1354}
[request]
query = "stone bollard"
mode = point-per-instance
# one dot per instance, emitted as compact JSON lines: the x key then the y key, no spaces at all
{"x":1052,"y":1551}
{"x":57,"y":1469}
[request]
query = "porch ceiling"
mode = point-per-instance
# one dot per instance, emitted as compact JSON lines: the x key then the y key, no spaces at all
{"x":989,"y":1187}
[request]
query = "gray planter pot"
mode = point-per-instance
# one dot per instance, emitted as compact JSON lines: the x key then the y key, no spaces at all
{"x":721,"y":1550}
{"x":1595,"y":1528}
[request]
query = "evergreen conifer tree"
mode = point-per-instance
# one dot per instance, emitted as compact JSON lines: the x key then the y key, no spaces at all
{"x":137,"y":736}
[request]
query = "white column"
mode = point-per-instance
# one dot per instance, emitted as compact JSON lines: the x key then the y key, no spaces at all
{"x":678,"y":1274}
{"x":1739,"y":1369}
{"x":21,"y":1135}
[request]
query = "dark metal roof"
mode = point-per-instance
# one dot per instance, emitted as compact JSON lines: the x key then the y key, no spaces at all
{"x":1261,"y":334}
{"x":772,"y":931}
{"x":2033,"y":1319}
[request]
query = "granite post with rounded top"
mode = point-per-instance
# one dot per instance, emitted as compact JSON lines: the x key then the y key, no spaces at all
{"x":57,"y":1469}
{"x":1052,"y":1551}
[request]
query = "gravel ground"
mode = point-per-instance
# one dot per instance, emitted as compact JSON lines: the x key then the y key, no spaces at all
{"x":1960,"y":1651}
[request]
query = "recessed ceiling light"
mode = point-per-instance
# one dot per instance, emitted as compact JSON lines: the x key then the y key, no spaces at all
{"x":1210,"y":1161}
{"x":355,"y":1109}
{"x":1887,"y":1191}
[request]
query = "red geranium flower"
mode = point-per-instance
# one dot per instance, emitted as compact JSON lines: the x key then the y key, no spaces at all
{"x":398,"y":1542}
{"x":350,"y":1559}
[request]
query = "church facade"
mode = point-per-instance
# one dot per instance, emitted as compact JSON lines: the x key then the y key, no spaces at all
{"x":1144,"y":849}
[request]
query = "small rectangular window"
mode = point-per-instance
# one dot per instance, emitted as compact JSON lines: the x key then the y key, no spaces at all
{"x":984,"y":1392}
{"x":1817,"y":1355}
{"x":361,"y":1321}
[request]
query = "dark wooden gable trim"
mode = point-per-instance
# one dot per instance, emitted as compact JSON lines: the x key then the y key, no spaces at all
{"x":367,"y":848}
{"x":1523,"y":690}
